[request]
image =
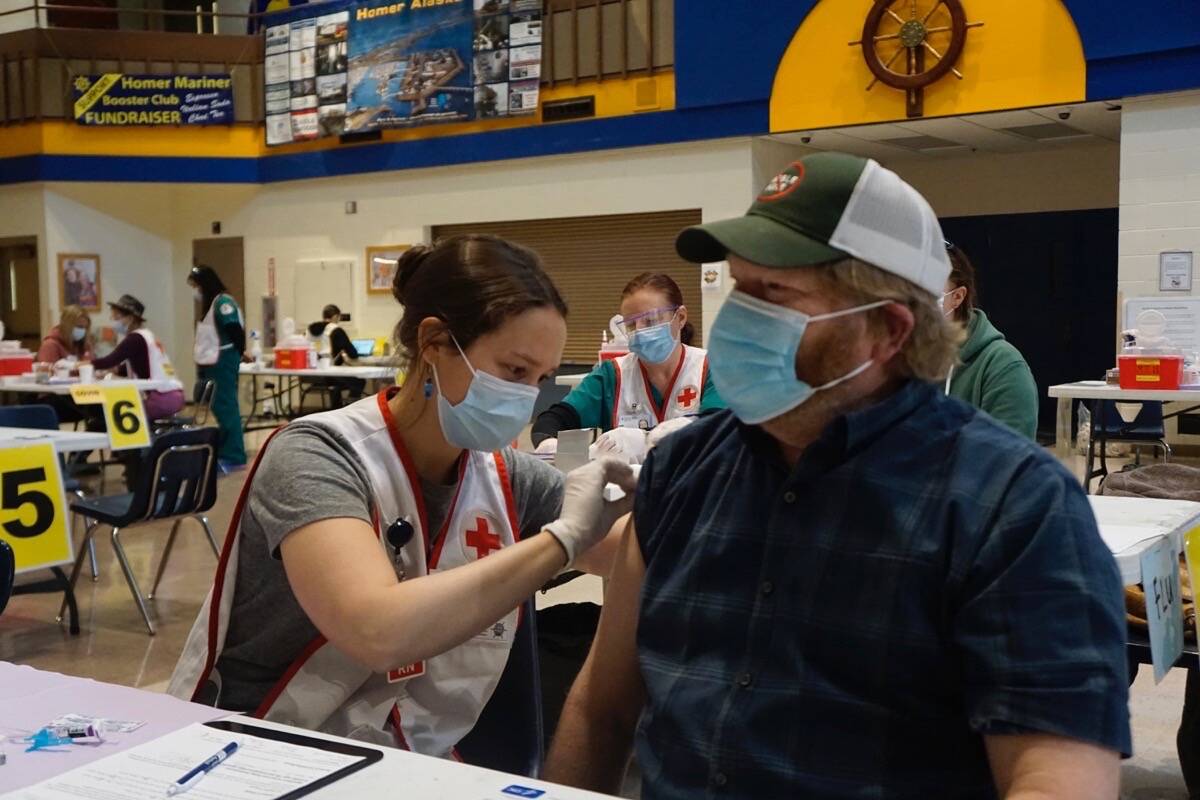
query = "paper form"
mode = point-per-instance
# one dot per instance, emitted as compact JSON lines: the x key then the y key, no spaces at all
{"x":260,"y":769}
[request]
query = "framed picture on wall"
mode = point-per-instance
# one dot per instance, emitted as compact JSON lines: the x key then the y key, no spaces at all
{"x":79,"y":280}
{"x":381,"y":267}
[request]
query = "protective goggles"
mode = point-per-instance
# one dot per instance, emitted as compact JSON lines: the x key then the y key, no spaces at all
{"x":648,"y":319}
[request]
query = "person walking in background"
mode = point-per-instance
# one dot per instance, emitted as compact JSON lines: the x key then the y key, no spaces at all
{"x":219,"y":351}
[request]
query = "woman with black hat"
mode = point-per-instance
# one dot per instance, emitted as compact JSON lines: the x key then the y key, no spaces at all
{"x":139,"y":355}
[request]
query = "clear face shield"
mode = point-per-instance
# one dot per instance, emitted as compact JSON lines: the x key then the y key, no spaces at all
{"x":647,"y":319}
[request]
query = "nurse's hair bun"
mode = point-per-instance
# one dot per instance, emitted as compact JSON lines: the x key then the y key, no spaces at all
{"x":473,"y":283}
{"x":409,"y":262}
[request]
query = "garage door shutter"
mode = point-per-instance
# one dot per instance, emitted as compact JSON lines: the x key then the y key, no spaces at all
{"x":592,"y":258}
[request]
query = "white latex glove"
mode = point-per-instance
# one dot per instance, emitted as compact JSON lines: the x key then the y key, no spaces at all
{"x":664,"y":430}
{"x":627,"y":444}
{"x":586,"y":516}
{"x":547,"y":447}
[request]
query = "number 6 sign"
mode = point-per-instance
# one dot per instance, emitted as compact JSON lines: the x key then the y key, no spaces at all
{"x":124,"y":414}
{"x":33,"y":518}
{"x":126,"y":418}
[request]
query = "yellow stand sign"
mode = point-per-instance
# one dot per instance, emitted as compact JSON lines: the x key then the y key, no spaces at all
{"x":1191,"y":551}
{"x":124,"y":413}
{"x":33,"y":511}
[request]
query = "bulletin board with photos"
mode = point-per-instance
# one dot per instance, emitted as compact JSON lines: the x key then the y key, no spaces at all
{"x":369,"y":65}
{"x":305,"y":74}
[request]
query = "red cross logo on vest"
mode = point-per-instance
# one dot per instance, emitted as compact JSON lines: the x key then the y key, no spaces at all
{"x":482,"y":538}
{"x":687,"y":397}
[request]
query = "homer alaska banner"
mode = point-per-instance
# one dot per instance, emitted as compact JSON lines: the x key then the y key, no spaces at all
{"x":381,"y":64}
{"x":118,"y":99}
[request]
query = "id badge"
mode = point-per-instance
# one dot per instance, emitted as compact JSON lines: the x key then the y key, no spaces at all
{"x":406,"y":673}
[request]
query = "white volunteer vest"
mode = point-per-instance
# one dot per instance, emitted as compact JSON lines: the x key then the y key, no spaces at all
{"x":325,"y":346}
{"x":208,"y":347}
{"x":634,"y":407}
{"x":160,"y":365}
{"x":426,"y":707}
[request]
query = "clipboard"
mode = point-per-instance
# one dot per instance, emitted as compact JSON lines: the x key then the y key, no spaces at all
{"x":366,"y":755}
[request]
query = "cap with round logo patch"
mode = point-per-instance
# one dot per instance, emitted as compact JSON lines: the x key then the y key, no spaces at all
{"x":825,"y":207}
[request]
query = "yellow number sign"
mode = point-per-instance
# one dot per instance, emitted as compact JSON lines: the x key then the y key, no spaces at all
{"x":124,"y":414}
{"x":126,"y":418}
{"x":33,"y":513}
{"x":1191,"y":549}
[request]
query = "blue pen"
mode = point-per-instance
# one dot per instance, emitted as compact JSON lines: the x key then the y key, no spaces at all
{"x":193,"y":776}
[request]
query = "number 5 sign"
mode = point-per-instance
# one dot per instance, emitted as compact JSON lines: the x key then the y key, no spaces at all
{"x":33,"y":513}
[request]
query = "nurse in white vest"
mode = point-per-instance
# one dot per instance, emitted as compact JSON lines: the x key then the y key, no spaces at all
{"x":659,"y":386}
{"x":371,"y":580}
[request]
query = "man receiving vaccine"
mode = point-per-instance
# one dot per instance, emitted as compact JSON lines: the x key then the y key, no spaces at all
{"x":849,"y":585}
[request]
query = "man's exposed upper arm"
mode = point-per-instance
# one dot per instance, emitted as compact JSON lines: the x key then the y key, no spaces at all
{"x":612,"y":668}
{"x":1041,"y":767}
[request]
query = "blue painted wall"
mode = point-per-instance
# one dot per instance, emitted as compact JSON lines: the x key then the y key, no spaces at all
{"x":726,"y":54}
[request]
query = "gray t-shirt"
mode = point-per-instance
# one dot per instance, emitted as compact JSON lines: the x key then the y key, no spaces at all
{"x":309,"y":473}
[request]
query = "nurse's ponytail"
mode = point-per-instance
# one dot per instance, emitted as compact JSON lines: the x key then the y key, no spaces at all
{"x":473,"y":284}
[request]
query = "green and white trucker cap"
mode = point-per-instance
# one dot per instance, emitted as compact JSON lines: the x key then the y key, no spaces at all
{"x":825,"y":207}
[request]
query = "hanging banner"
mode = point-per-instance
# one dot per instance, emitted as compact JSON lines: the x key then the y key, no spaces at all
{"x":305,"y":75}
{"x":508,"y":57}
{"x":410,"y":64}
{"x":383,"y":64}
{"x":115,"y":98}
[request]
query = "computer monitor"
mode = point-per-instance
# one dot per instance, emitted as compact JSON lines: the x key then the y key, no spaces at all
{"x":364,"y":347}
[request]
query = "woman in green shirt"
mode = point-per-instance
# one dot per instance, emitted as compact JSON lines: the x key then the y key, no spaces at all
{"x":662,"y":378}
{"x":220,"y":350}
{"x":992,"y":375}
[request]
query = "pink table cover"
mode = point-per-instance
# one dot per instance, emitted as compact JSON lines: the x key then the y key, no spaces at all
{"x":30,"y":699}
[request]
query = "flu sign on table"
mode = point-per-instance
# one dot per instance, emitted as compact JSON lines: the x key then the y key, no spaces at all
{"x":1164,"y":604}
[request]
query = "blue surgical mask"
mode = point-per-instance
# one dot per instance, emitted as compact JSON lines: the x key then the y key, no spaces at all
{"x":119,"y":327}
{"x":752,"y":352}
{"x":490,"y":416}
{"x":653,"y":345}
{"x":78,"y":334}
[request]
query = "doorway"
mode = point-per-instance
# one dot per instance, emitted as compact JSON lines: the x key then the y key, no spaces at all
{"x":226,"y":257}
{"x":20,"y":292}
{"x":1048,"y":281}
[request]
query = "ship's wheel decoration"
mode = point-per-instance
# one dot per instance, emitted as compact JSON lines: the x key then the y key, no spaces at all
{"x":929,"y":35}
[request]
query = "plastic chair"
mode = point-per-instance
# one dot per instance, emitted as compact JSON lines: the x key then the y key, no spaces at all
{"x":202,"y":397}
{"x":8,"y":564}
{"x":1108,"y":426}
{"x":510,"y":735}
{"x":45,"y":418}
{"x":177,"y":481}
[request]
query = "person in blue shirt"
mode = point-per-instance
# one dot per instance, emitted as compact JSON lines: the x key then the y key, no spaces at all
{"x":849,"y":585}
